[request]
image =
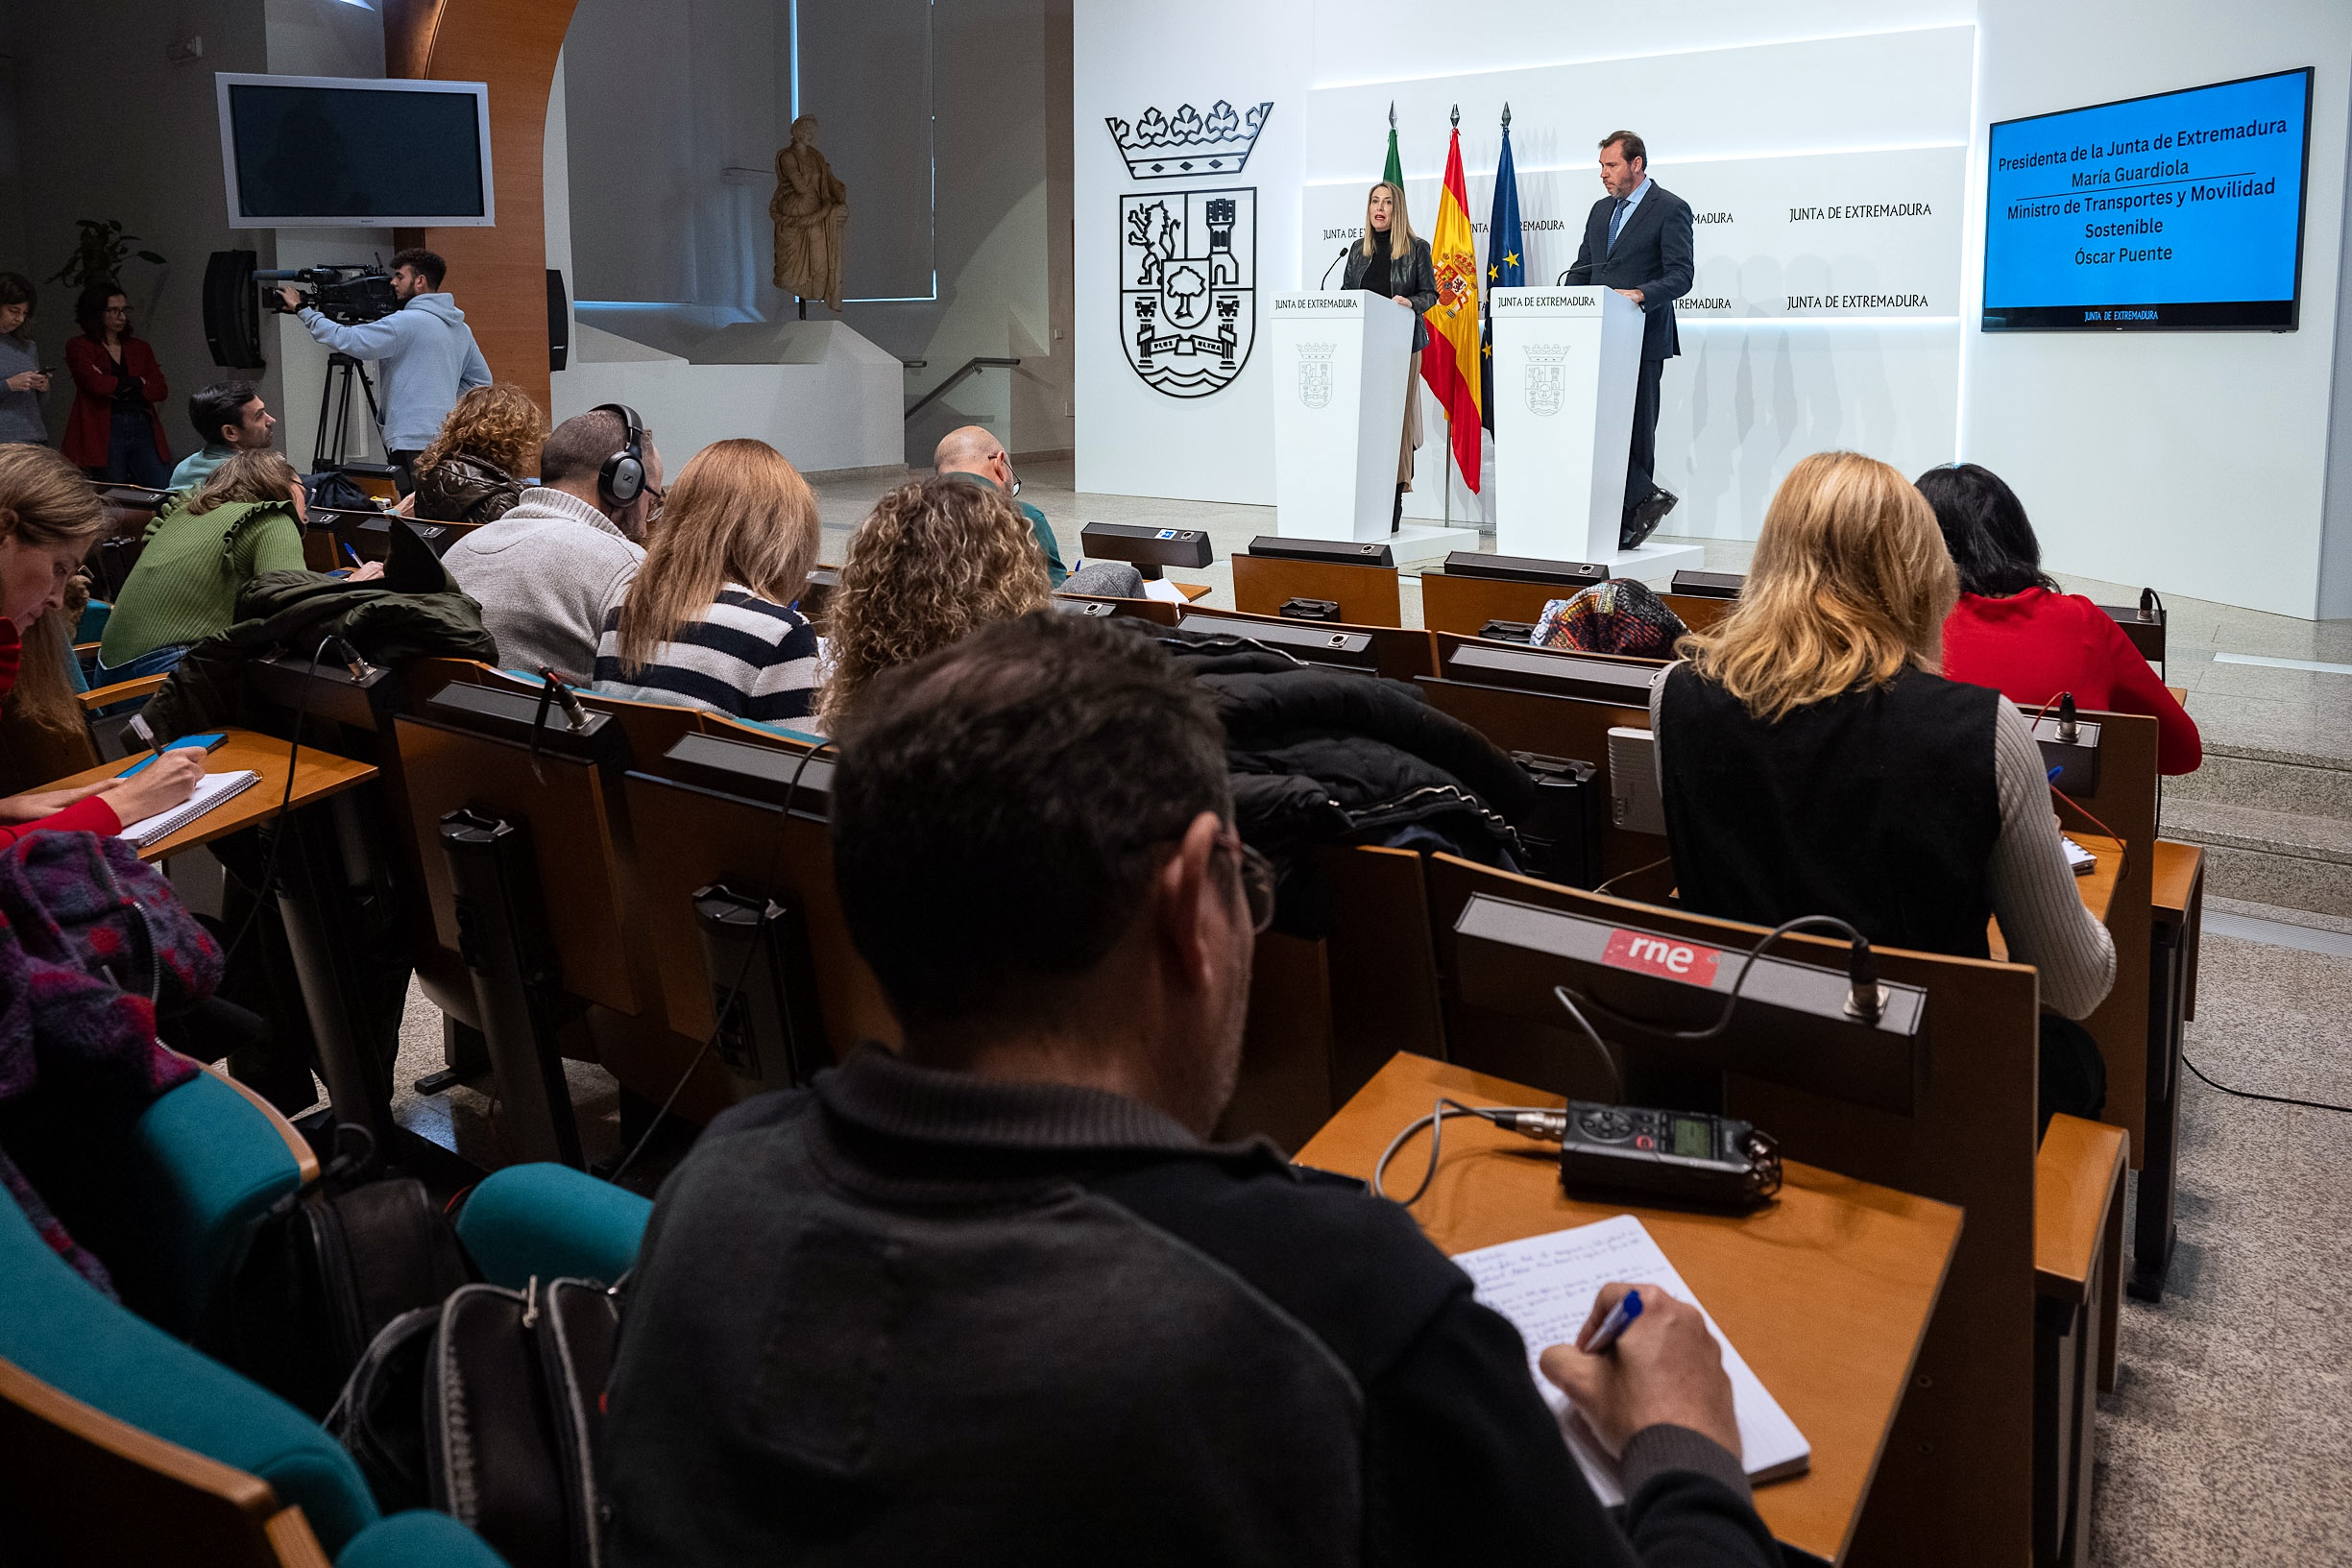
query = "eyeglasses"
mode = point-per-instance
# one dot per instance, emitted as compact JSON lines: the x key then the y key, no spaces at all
{"x":1257,"y":879}
{"x":653,"y":494}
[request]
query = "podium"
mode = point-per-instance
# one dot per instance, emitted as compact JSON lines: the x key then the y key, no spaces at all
{"x":1566,"y":360}
{"x":1339,"y":393}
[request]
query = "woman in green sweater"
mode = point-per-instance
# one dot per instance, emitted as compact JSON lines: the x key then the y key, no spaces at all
{"x":247,"y":519}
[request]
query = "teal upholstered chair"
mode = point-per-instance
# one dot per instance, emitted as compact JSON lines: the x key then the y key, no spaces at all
{"x":56,"y":1327}
{"x":552,"y":1221}
{"x":166,"y":1199}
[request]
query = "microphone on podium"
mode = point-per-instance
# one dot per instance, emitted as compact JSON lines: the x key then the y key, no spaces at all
{"x":1335,"y":262}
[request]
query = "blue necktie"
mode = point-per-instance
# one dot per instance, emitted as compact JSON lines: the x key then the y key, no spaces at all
{"x":1616,"y":221}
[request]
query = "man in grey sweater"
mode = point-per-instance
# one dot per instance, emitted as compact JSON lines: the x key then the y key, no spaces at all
{"x":546,"y":572}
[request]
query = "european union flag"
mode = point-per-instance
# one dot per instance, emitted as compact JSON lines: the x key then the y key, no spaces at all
{"x":1506,"y":257}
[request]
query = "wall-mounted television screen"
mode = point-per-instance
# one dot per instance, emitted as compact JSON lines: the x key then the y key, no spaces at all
{"x":2181,"y":209}
{"x":330,"y":151}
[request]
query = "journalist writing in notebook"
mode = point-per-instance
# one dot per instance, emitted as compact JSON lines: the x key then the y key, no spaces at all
{"x":998,"y":1300}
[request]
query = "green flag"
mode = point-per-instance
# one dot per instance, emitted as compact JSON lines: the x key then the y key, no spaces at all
{"x":1394,"y":172}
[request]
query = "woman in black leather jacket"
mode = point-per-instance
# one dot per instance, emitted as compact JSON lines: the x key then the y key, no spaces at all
{"x":475,"y":470}
{"x":1393,"y":260}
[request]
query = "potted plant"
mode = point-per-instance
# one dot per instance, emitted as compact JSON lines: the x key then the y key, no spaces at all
{"x":99,"y":254}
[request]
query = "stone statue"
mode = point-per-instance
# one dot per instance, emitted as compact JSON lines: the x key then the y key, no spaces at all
{"x":811,"y":208}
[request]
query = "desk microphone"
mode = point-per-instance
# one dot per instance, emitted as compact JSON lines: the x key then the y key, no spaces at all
{"x":2069,"y":733}
{"x":1335,"y":262}
{"x":359,"y":667}
{"x":559,"y":692}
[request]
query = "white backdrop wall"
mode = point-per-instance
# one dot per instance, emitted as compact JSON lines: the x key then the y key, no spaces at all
{"x":1749,"y":109}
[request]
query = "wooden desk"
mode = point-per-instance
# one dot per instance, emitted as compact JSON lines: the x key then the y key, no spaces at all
{"x":317,"y":775}
{"x":1827,"y":1291}
{"x":2095,"y":886}
{"x":2178,"y":895}
{"x":1193,"y":593}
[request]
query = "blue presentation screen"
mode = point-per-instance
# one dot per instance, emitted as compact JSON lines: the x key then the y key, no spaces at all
{"x":2184,"y":209}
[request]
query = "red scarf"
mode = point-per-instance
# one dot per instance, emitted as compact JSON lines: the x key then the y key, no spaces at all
{"x":11,"y":655}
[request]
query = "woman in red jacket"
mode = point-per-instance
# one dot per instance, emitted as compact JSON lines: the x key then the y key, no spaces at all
{"x":2015,"y":631}
{"x":48,"y":516}
{"x":114,"y":432}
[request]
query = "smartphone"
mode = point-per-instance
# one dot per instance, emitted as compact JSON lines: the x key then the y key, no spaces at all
{"x":209,"y":742}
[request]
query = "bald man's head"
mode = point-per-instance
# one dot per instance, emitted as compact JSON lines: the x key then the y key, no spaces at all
{"x":971,"y":450}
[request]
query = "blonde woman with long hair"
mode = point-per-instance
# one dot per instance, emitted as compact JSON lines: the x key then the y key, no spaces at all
{"x":933,"y":563}
{"x":1391,"y":259}
{"x":49,"y":518}
{"x":1815,"y":759}
{"x":712,"y":620}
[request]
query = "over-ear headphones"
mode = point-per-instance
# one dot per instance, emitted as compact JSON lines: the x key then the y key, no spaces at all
{"x":622,"y":477}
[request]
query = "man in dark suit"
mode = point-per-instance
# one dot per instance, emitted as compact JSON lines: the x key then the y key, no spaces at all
{"x":1638,"y":242}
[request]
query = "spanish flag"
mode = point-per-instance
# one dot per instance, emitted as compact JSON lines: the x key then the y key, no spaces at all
{"x":1450,"y":364}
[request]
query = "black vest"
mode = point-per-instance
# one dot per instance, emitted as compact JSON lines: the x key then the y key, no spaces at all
{"x":1877,"y":806}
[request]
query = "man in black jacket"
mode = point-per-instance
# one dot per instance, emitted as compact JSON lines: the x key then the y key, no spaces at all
{"x":994,"y":1300}
{"x":1638,"y":240}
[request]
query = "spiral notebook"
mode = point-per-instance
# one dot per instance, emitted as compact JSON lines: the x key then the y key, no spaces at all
{"x":211,"y":790}
{"x":1545,"y":1286}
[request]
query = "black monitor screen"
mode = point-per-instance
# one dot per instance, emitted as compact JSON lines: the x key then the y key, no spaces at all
{"x":355,"y":152}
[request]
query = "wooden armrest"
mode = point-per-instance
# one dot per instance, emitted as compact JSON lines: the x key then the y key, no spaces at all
{"x":2077,"y":1175}
{"x":1194,"y":591}
{"x":80,"y":649}
{"x":305,"y":1158}
{"x":98,"y":697}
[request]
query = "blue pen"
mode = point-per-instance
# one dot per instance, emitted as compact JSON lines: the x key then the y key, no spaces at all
{"x":2054,"y":772}
{"x":1620,"y":1317}
{"x":356,"y":562}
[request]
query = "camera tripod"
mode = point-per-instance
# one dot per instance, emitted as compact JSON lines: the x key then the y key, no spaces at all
{"x":342,"y":369}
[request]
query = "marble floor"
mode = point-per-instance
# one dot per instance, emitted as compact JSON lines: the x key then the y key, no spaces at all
{"x":2260,"y":706}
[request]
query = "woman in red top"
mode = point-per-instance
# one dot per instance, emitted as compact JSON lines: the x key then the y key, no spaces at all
{"x":48,"y":516}
{"x":2015,"y":631}
{"x":114,"y":432}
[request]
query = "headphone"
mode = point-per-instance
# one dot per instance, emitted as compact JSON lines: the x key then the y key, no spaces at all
{"x":622,"y":477}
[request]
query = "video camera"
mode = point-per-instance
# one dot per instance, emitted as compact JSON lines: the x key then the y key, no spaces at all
{"x":347,"y":295}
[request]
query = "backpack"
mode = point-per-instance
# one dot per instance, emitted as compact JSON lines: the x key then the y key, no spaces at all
{"x":322,"y":1277}
{"x":490,"y":1407}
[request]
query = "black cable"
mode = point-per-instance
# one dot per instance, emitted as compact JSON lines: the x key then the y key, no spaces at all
{"x":1612,"y":881}
{"x":742,"y":973}
{"x":1528,"y":1121}
{"x":1861,"y":970}
{"x":2249,"y":1093}
{"x":1616,"y":1074}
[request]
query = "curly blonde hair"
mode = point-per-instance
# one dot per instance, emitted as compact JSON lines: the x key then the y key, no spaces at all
{"x":933,"y":563}
{"x":498,"y":423}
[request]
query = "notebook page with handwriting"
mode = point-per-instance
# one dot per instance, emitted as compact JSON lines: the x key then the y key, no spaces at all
{"x":1545,"y":1286}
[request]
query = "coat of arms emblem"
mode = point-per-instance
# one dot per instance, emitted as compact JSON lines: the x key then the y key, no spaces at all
{"x":1314,"y":374}
{"x":1188,"y":288}
{"x":1188,"y":260}
{"x":1548,"y":379}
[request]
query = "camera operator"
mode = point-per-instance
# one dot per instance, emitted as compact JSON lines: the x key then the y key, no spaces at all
{"x":426,"y":348}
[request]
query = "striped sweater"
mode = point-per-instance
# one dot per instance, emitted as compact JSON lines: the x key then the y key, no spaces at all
{"x":743,"y":656}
